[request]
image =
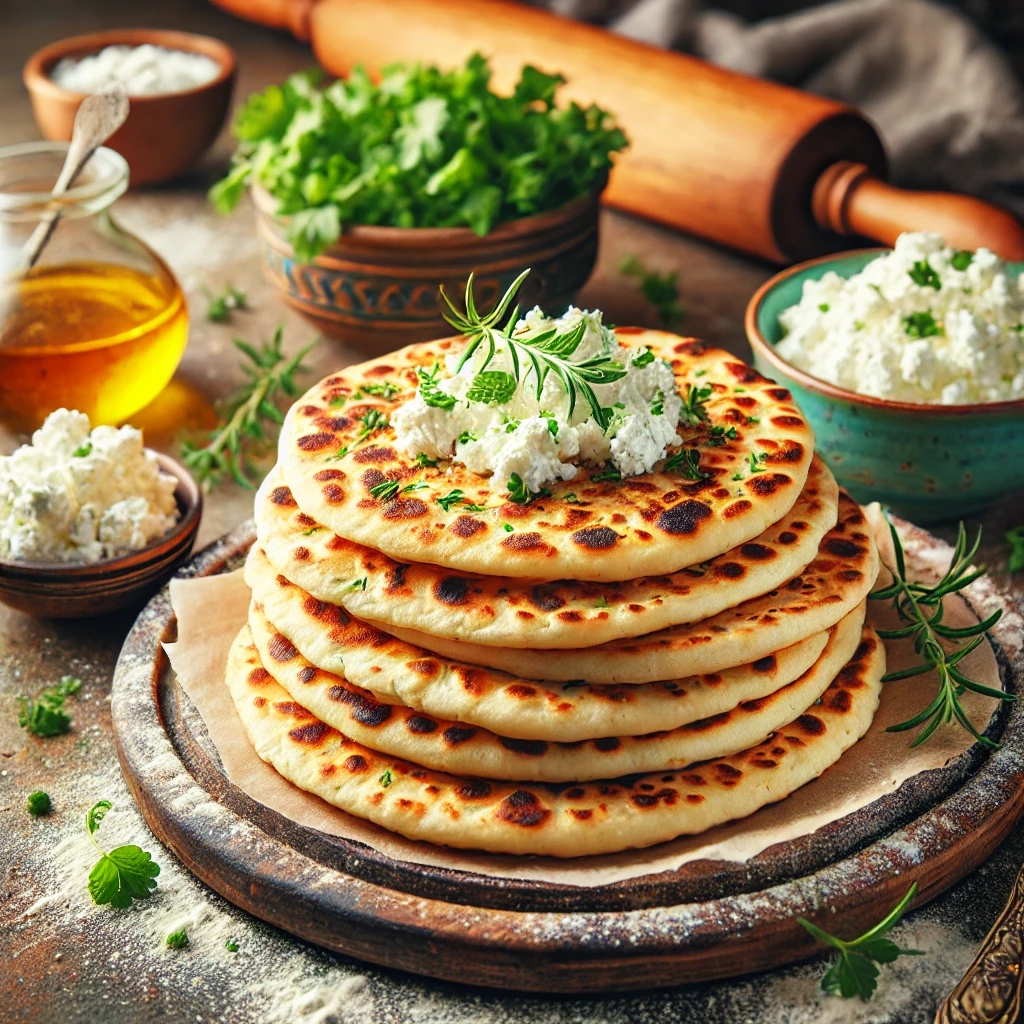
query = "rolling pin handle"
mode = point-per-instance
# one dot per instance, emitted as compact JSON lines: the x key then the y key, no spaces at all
{"x":850,"y":200}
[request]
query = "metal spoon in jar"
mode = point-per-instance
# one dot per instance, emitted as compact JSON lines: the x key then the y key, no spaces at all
{"x":98,"y":117}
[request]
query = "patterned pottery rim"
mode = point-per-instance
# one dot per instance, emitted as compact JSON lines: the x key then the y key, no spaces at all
{"x":762,"y":347}
{"x":462,"y":237}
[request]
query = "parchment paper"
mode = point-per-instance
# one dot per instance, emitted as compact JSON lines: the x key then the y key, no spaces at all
{"x":211,"y":610}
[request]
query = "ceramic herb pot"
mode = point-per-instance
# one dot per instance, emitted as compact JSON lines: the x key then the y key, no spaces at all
{"x":376,"y":288}
{"x":929,"y":463}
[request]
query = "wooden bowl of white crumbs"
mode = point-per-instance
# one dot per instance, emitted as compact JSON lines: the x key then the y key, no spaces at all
{"x":62,"y":590}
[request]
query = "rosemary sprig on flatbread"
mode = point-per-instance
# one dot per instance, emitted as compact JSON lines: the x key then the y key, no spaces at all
{"x":546,"y":353}
{"x":922,"y":609}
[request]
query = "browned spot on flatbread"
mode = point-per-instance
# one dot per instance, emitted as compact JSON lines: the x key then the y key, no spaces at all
{"x":404,"y":508}
{"x":259,"y":676}
{"x":282,"y":496}
{"x":311,"y":733}
{"x":466,"y":526}
{"x":424,"y":666}
{"x":595,"y":538}
{"x":811,"y":725}
{"x":779,"y":394}
{"x":787,"y":421}
{"x":581,"y":813}
{"x":606,"y":744}
{"x":842,"y":548}
{"x":684,"y":518}
{"x":520,"y":691}
{"x":570,"y":616}
{"x":766,"y":664}
{"x":451,"y":590}
{"x":727,"y":775}
{"x":474,"y":789}
{"x":420,"y":724}
{"x":788,"y":537}
{"x":332,"y":493}
{"x":361,"y":707}
{"x":375,"y":453}
{"x":744,"y":374}
{"x":314,"y":442}
{"x":522,"y":808}
{"x":281,"y":649}
{"x":729,"y":570}
{"x":737,"y":508}
{"x":328,"y":474}
{"x":301,"y":554}
{"x":766,"y":484}
{"x":530,"y":748}
{"x":356,"y":764}
{"x":523,"y":542}
{"x":456,"y":734}
{"x":545,"y":596}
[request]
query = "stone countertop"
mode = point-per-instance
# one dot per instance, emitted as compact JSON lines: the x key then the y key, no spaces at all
{"x":64,"y":960}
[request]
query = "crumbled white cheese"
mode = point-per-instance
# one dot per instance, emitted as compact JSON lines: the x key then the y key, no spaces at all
{"x":536,"y":438}
{"x":889,"y":332}
{"x":144,"y":70}
{"x":75,"y":495}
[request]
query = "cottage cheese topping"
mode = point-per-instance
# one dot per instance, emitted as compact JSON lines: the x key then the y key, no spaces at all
{"x":536,"y":438}
{"x":144,"y":70}
{"x":75,"y":495}
{"x":924,"y":323}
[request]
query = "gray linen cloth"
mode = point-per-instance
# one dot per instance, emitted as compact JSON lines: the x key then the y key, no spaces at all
{"x":944,"y":99}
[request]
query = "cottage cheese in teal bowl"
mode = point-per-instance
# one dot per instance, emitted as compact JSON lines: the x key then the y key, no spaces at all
{"x":927,"y":462}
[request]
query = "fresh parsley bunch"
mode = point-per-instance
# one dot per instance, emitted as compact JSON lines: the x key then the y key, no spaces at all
{"x":423,"y":148}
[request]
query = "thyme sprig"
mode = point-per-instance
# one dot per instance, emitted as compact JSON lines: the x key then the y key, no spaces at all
{"x":921,"y":608}
{"x":547,"y":352}
{"x":249,"y":414}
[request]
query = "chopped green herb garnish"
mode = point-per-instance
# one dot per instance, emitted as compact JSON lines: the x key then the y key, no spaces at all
{"x":177,"y":940}
{"x":385,"y":390}
{"x":386,"y":780}
{"x":858,"y":325}
{"x":385,"y":490}
{"x":431,"y":394}
{"x":520,"y":493}
{"x":643,"y":358}
{"x":921,"y":325}
{"x":372,"y":421}
{"x":466,"y":436}
{"x":359,"y":584}
{"x":231,"y":945}
{"x":424,"y":462}
{"x":38,"y":803}
{"x":570,"y":498}
{"x":311,"y":531}
{"x":693,"y":412}
{"x":660,"y":290}
{"x":717,"y":436}
{"x":124,"y":874}
{"x":508,"y":527}
{"x":82,"y":450}
{"x":757,"y":462}
{"x":222,"y":306}
{"x":603,"y":603}
{"x":455,"y":497}
{"x":737,"y":476}
{"x":753,"y":419}
{"x":740,"y":391}
{"x":961,"y":259}
{"x":338,"y":401}
{"x":658,"y":403}
{"x":700,"y":373}
{"x":608,"y":474}
{"x":492,"y":387}
{"x":552,"y":423}
{"x":43,"y":715}
{"x":854,"y":973}
{"x":510,"y":423}
{"x":823,"y":306}
{"x":687,"y":462}
{"x":417,"y":486}
{"x":340,"y":453}
{"x":923,"y":273}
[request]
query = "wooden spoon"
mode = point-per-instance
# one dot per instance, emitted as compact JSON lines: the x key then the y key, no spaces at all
{"x":98,"y":117}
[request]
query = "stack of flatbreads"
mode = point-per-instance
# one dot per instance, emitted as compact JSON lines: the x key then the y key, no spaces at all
{"x":611,"y":666}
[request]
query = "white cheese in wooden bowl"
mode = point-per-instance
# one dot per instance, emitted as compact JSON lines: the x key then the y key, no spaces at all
{"x":925,"y":323}
{"x":536,"y":436}
{"x":145,"y":70}
{"x":80,"y":496}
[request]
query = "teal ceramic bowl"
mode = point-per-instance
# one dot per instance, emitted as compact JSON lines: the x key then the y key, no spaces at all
{"x":929,"y":463}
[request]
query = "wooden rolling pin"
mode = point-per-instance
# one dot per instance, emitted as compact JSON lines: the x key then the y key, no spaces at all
{"x":745,"y":162}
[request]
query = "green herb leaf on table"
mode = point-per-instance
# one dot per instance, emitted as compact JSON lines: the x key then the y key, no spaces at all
{"x":231,"y":945}
{"x":921,"y":608}
{"x":544,"y":353}
{"x":660,"y":290}
{"x":177,"y":940}
{"x":854,"y":974}
{"x":222,"y":306}
{"x":252,"y":416}
{"x":421,"y":148}
{"x":124,"y":874}
{"x":44,"y":715}
{"x":38,"y":803}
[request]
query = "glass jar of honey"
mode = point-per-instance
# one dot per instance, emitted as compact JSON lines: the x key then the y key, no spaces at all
{"x":99,"y":324}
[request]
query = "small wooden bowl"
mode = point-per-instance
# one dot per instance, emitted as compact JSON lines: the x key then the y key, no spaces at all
{"x":164,"y":135}
{"x":376,"y":288}
{"x":58,"y":590}
{"x":929,"y":463}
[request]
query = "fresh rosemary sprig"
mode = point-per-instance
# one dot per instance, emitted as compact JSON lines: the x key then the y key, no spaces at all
{"x":547,"y":352}
{"x":229,"y":447}
{"x":854,"y":972}
{"x":921,"y":608}
{"x":693,"y":413}
{"x":687,"y":462}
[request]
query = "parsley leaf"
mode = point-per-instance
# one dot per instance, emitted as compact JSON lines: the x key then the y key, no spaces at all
{"x":38,"y":803}
{"x":961,"y":259}
{"x":921,"y":325}
{"x":854,"y":973}
{"x":43,"y":716}
{"x":608,"y":474}
{"x":643,"y":358}
{"x":424,"y":462}
{"x":431,"y":394}
{"x":82,"y":450}
{"x":923,"y":273}
{"x":386,"y":780}
{"x":177,"y":940}
{"x":520,"y":493}
{"x":455,"y":497}
{"x":493,"y":387}
{"x":717,"y":436}
{"x":660,"y":290}
{"x":124,"y":874}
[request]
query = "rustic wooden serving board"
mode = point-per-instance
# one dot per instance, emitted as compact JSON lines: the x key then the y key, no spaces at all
{"x":709,"y":919}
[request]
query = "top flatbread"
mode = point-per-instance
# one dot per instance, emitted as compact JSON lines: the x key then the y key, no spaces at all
{"x":334,"y":451}
{"x":511,"y":612}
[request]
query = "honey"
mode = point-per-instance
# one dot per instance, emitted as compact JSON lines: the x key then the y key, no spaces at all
{"x":102,"y":338}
